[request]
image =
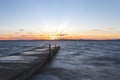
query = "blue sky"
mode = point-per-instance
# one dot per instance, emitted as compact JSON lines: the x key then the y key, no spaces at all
{"x":76,"y":16}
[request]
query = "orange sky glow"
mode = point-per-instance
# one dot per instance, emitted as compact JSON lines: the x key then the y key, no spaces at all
{"x":96,"y":35}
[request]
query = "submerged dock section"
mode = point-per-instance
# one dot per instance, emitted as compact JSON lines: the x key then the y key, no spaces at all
{"x":21,"y":66}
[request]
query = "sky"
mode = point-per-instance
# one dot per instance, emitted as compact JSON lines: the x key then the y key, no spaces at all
{"x":59,"y":19}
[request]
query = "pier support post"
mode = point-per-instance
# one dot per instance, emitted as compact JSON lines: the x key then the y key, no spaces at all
{"x":50,"y":53}
{"x":55,"y":46}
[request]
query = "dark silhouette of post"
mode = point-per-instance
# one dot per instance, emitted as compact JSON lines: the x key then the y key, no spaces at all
{"x":55,"y":46}
{"x":50,"y":50}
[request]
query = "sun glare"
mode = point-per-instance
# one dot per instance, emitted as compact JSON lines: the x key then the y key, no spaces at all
{"x":53,"y":38}
{"x":55,"y":31}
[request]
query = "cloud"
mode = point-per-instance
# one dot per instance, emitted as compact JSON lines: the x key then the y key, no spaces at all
{"x":41,"y":35}
{"x":21,"y":30}
{"x":29,"y":33}
{"x":96,"y":30}
{"x":61,"y":34}
{"x":110,"y":28}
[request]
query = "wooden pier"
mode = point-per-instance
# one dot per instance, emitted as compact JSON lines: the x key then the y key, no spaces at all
{"x":21,"y":66}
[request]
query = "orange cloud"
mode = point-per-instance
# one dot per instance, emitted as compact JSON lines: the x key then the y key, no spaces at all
{"x":19,"y":36}
{"x":61,"y":34}
{"x":93,"y":34}
{"x":95,"y":31}
{"x":110,"y":28}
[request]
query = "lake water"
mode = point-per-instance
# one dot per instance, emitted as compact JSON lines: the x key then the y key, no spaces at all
{"x":76,"y":60}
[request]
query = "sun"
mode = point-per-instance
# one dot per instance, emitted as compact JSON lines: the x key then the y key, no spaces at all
{"x":53,"y":37}
{"x":55,"y":31}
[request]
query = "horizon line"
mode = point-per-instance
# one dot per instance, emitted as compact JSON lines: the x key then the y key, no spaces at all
{"x":61,"y":40}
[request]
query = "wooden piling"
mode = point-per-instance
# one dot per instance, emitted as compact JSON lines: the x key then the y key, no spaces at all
{"x":50,"y":48}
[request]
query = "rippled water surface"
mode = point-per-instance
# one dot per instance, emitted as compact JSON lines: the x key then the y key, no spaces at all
{"x":76,"y":60}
